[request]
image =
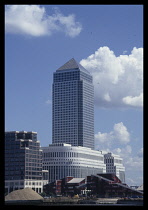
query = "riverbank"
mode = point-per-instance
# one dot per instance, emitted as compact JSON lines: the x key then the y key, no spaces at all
{"x":95,"y":201}
{"x":66,"y":201}
{"x":130,"y":201}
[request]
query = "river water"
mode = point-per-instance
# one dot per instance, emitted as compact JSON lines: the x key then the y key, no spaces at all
{"x":107,"y":204}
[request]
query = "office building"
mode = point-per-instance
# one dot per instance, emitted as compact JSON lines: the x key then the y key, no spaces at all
{"x":23,"y":162}
{"x":63,"y":160}
{"x":114,"y":165}
{"x":73,"y":106}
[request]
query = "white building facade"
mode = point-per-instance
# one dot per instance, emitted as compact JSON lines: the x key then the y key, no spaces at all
{"x":114,"y":165}
{"x":63,"y":160}
{"x":36,"y":185}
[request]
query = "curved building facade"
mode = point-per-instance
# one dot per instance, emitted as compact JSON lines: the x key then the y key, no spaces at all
{"x":63,"y":160}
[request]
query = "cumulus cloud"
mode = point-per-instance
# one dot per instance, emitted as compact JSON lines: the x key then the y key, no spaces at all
{"x":119,"y":135}
{"x":118,"y":142}
{"x":140,"y":153}
{"x":124,"y":152}
{"x":33,"y":20}
{"x":133,"y":164}
{"x":118,"y":80}
{"x":48,"y":102}
{"x":134,"y":101}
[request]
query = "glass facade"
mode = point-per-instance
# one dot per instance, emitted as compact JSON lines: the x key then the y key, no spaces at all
{"x":73,"y":106}
{"x":23,"y":157}
{"x":23,"y":161}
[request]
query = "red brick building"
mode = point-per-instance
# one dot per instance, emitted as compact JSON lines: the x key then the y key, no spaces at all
{"x":65,"y":186}
{"x":101,"y":185}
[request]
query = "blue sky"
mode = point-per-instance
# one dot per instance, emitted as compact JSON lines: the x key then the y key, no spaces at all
{"x":108,"y":41}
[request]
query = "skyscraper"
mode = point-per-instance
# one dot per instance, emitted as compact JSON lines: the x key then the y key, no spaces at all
{"x":73,"y":106}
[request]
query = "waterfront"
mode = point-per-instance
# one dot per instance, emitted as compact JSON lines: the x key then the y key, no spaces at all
{"x":95,"y":202}
{"x":71,"y":205}
{"x":82,"y":202}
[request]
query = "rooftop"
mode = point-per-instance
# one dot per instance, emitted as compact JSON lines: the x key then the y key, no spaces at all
{"x":76,"y":180}
{"x":140,"y":188}
{"x":21,"y":132}
{"x":72,"y":64}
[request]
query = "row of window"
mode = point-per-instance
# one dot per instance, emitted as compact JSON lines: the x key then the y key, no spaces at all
{"x":11,"y":177}
{"x":14,"y":168}
{"x":71,"y":154}
{"x":62,"y":89}
{"x":109,"y":160}
{"x":65,"y":96}
{"x":72,"y":75}
{"x":33,"y":183}
{"x":58,"y":172}
{"x":33,"y":164}
{"x":60,"y":154}
{"x":66,"y":76}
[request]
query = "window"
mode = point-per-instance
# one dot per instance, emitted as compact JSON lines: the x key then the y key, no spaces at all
{"x":21,"y":183}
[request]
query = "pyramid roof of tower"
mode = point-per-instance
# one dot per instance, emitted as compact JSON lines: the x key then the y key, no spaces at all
{"x":72,"y":64}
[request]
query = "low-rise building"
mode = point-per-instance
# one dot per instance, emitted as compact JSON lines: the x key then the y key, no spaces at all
{"x":66,"y":186}
{"x":109,"y":185}
{"x":100,"y":185}
{"x":63,"y":160}
{"x":72,"y":186}
{"x":114,"y":165}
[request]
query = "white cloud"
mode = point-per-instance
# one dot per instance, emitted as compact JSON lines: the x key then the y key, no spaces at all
{"x":118,"y":80}
{"x":140,"y":153}
{"x":48,"y":102}
{"x":134,"y":101}
{"x":107,"y":97}
{"x":33,"y":20}
{"x":119,"y":135}
{"x":135,"y":181}
{"x":124,"y":152}
{"x":125,"y":52}
{"x":118,"y":142}
{"x":133,"y":164}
